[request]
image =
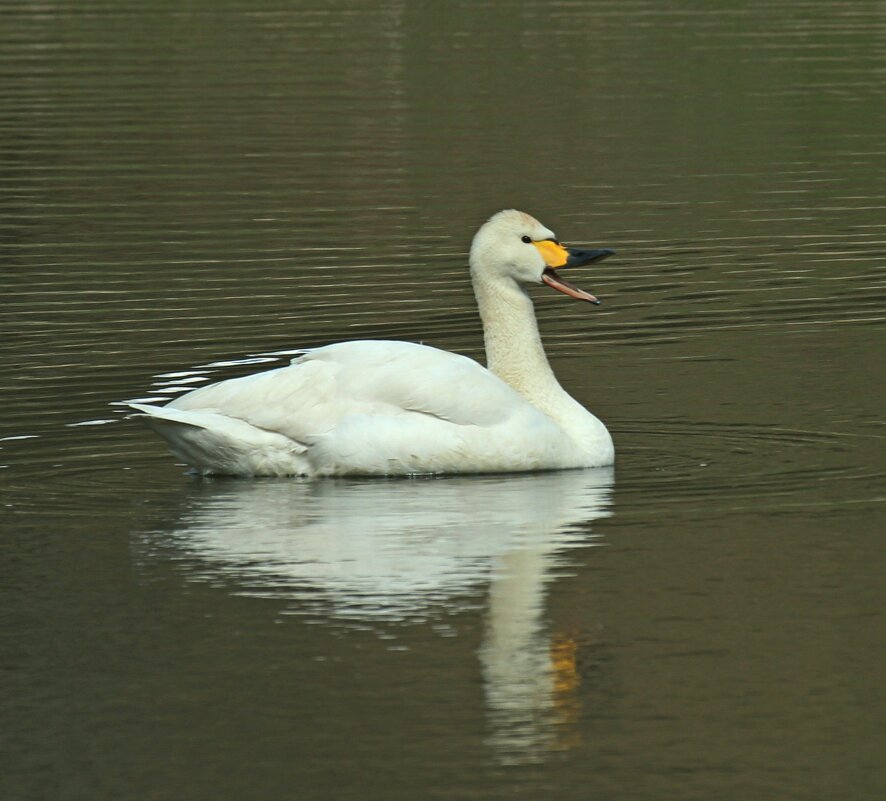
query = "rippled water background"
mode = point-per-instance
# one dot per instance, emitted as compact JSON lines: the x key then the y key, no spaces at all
{"x":187,"y":187}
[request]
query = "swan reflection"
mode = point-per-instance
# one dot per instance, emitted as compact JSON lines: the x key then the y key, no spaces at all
{"x":388,"y":551}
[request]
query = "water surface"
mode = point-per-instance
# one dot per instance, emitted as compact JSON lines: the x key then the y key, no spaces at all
{"x":189,"y":190}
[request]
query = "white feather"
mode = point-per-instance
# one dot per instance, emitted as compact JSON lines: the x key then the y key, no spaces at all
{"x":387,"y":408}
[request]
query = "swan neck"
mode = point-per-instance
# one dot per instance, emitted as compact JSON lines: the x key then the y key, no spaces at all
{"x":515,"y":354}
{"x":514,"y":351}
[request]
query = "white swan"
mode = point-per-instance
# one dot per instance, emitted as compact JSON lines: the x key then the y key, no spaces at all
{"x":396,"y":408}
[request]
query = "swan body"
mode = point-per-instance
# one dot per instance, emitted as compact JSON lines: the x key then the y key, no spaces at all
{"x":397,"y":408}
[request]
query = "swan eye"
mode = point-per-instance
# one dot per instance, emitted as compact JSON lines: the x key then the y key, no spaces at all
{"x":526,"y":239}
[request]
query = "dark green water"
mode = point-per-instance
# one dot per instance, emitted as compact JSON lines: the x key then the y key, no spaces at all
{"x":187,"y":186}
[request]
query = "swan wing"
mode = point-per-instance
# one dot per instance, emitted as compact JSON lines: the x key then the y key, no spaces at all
{"x":404,"y":376}
{"x":377,"y":407}
{"x":378,"y":378}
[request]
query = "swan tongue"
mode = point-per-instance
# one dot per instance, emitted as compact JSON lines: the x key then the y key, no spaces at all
{"x":553,"y":280}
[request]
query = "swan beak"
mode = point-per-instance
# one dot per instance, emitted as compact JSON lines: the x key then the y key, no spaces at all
{"x":556,"y":256}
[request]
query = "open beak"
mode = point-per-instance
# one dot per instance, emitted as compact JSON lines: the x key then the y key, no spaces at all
{"x":556,"y":256}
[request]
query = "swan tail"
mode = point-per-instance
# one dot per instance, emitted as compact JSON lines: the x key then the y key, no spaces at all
{"x":215,"y":444}
{"x":151,"y":415}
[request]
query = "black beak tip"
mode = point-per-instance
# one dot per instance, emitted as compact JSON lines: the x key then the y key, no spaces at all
{"x":600,"y":254}
{"x":578,"y":258}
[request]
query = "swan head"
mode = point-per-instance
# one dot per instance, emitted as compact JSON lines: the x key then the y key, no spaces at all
{"x":514,"y":246}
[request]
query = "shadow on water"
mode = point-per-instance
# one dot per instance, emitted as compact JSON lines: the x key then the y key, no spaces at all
{"x":387,"y":553}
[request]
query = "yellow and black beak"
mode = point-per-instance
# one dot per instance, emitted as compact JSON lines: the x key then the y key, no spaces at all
{"x":556,"y":256}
